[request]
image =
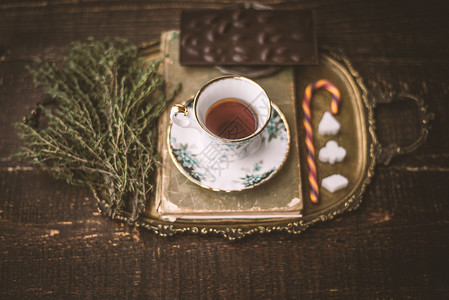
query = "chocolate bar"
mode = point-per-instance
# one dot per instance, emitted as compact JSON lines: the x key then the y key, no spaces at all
{"x":247,"y":37}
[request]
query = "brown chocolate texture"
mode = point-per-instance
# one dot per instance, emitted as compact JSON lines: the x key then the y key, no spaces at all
{"x":247,"y":37}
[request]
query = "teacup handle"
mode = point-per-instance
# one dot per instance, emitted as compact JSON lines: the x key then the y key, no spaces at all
{"x":385,"y":154}
{"x":179,"y":114}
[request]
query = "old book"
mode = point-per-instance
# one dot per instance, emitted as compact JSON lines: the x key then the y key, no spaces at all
{"x":177,"y":197}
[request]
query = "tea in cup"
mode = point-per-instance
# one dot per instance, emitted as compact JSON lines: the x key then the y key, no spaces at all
{"x":231,"y":119}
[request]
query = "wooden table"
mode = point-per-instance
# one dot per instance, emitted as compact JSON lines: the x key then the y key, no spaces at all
{"x":54,"y":243}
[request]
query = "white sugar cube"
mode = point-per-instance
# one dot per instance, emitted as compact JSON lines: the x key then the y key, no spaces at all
{"x":332,"y":152}
{"x":328,"y":125}
{"x":334,"y":182}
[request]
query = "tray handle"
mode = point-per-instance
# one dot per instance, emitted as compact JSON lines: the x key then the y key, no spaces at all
{"x":384,"y":154}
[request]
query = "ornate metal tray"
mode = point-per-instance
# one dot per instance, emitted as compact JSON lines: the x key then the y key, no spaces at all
{"x":358,"y":130}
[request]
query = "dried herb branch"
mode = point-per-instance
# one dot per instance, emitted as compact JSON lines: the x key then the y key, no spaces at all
{"x":102,"y":132}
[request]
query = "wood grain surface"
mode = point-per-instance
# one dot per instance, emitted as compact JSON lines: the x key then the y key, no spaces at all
{"x":54,"y":243}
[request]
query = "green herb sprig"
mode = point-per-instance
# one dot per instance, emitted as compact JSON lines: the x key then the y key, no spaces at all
{"x":102,"y":132}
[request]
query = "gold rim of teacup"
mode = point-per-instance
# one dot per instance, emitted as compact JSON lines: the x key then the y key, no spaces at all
{"x":255,"y":133}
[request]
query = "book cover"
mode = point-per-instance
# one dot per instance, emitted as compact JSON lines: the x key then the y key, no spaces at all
{"x":177,"y":197}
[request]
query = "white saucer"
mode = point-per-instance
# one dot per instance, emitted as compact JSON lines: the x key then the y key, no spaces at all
{"x":211,"y":168}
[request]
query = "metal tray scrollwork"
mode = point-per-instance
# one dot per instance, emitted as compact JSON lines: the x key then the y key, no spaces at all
{"x":358,"y":123}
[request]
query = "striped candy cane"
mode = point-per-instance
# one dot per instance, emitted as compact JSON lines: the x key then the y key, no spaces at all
{"x":332,"y":89}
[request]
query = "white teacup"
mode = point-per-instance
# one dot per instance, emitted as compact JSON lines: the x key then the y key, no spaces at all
{"x":227,"y":123}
